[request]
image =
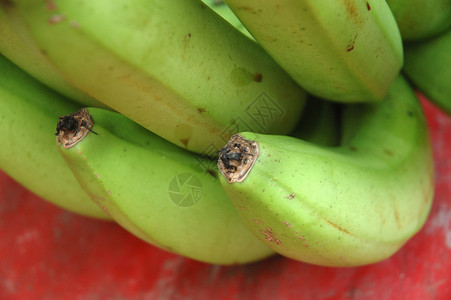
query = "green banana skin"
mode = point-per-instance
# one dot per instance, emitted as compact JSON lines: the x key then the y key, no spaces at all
{"x":427,"y":65}
{"x":28,"y":112}
{"x":224,"y":11}
{"x":419,"y":19}
{"x":128,"y":171}
{"x":27,"y":57}
{"x":344,"y":51}
{"x":191,"y":80}
{"x":351,"y":205}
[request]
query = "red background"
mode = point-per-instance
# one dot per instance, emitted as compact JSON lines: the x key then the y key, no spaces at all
{"x":48,"y":253}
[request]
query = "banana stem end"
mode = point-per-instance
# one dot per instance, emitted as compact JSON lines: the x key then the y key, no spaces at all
{"x":73,"y":128}
{"x":237,"y":158}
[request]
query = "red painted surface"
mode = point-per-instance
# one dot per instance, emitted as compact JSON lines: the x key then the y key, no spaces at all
{"x":48,"y":253}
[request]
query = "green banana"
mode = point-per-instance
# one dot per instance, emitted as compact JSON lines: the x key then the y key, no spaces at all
{"x":428,"y":65}
{"x":224,"y":11}
{"x":175,"y":67}
{"x":28,"y":57}
{"x":28,"y":112}
{"x":158,"y":191}
{"x":419,"y":19}
{"x":350,"y":205}
{"x":343,"y":50}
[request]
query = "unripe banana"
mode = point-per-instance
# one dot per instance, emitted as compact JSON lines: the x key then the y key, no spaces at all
{"x":25,"y":55}
{"x":345,"y":206}
{"x":342,"y":50}
{"x":175,"y":67}
{"x":28,"y":112}
{"x":161,"y":193}
{"x":420,"y":19}
{"x":428,"y":65}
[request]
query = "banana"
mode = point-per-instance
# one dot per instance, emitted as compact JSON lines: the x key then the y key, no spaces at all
{"x":419,"y":19}
{"x":350,"y":205}
{"x":158,"y":191}
{"x":344,"y":50}
{"x":428,"y":66}
{"x":224,"y":11}
{"x":28,"y":112}
{"x":175,"y":67}
{"x":27,"y":57}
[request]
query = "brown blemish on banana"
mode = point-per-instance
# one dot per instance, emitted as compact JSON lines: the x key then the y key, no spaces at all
{"x":287,"y":224}
{"x":50,"y":5}
{"x":368,"y":6}
{"x":338,"y":227}
{"x":183,"y":133}
{"x":55,"y":19}
{"x":350,"y":7}
{"x":185,"y":141}
{"x":6,"y":3}
{"x":351,"y":44}
{"x":302,"y":238}
{"x":258,"y":77}
{"x":271,"y":236}
{"x":237,"y":158}
{"x":291,"y":196}
{"x":73,"y":128}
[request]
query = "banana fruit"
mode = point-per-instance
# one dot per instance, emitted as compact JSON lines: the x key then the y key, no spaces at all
{"x":419,"y":19}
{"x":428,"y":65}
{"x":175,"y":67}
{"x":161,"y":193}
{"x":29,"y":59}
{"x":343,"y":50}
{"x":28,"y":112}
{"x":350,"y":205}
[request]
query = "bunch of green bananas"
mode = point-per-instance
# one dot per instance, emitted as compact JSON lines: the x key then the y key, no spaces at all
{"x":229,"y":132}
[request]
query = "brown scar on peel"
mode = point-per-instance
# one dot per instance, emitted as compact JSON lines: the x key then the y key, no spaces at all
{"x":73,"y":128}
{"x":55,"y":19}
{"x":237,"y":158}
{"x":271,"y":236}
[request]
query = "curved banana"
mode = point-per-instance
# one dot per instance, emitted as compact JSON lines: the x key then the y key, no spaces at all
{"x":161,"y":193}
{"x":221,"y":8}
{"x":337,"y":206}
{"x":428,"y":65}
{"x":28,"y":112}
{"x":29,"y":59}
{"x":419,"y":19}
{"x":343,"y":50}
{"x":175,"y":67}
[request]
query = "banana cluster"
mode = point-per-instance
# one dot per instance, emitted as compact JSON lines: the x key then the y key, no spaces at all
{"x":229,"y":131}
